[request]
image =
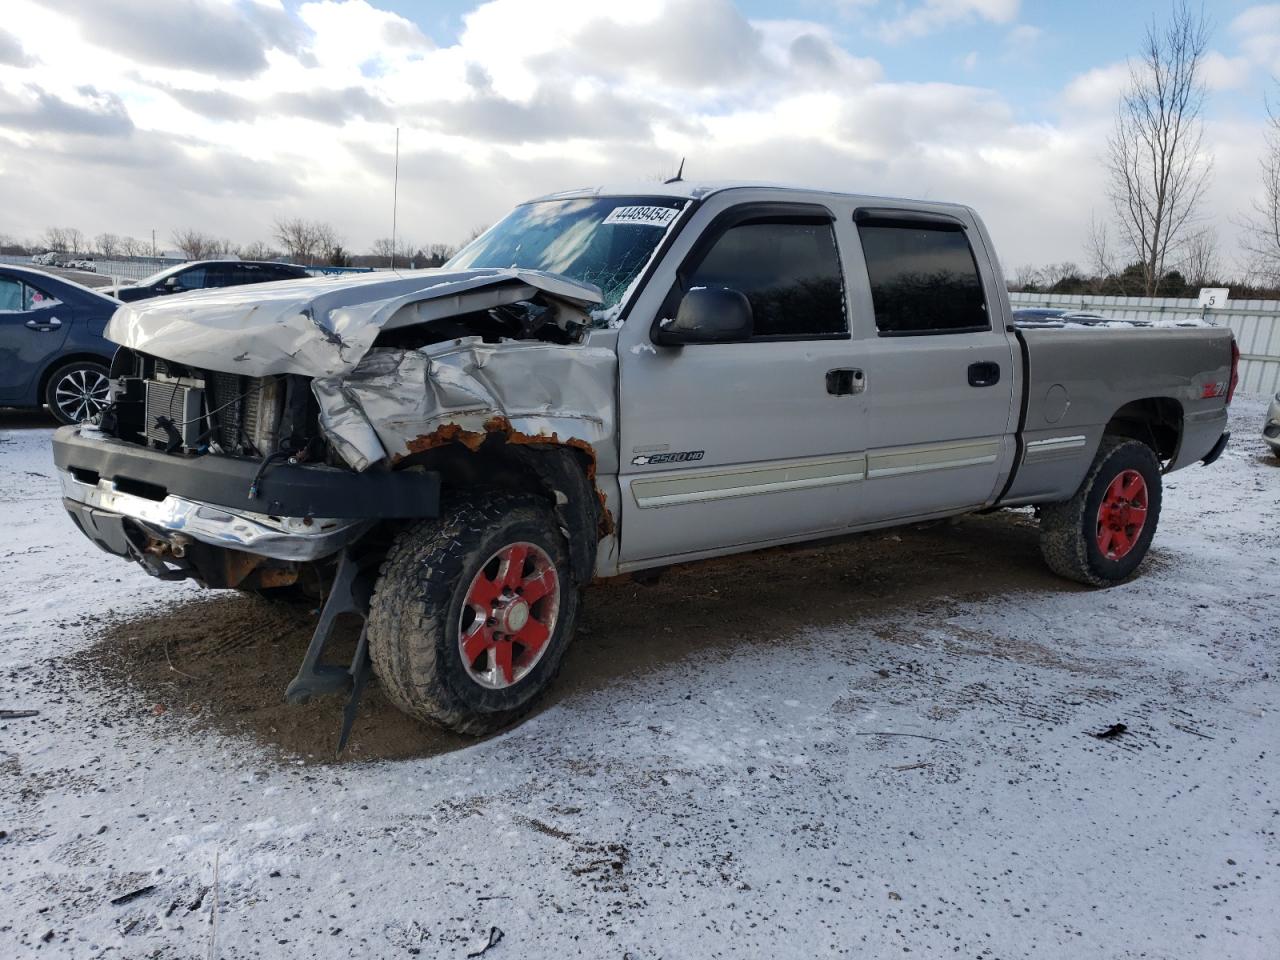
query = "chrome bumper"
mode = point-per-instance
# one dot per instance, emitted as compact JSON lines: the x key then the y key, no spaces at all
{"x":175,"y":518}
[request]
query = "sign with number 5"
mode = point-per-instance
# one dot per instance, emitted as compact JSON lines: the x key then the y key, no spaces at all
{"x":1211,"y":297}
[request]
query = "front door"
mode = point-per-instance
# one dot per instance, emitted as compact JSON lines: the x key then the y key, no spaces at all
{"x":729,"y":444}
{"x":33,"y":326}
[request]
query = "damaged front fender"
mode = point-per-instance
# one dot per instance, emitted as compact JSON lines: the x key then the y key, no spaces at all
{"x":396,"y":403}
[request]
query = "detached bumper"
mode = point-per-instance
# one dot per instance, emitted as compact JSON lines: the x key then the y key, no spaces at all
{"x":124,"y":496}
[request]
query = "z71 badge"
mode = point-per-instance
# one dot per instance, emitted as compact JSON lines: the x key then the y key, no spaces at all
{"x":684,"y":456}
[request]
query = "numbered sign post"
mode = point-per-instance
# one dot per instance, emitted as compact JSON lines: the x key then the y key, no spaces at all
{"x":1213,"y":297}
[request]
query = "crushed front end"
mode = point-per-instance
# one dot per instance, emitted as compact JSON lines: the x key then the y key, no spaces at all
{"x":222,"y":478}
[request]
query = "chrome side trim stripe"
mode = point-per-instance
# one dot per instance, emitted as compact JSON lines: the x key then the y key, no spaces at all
{"x":934,"y":456}
{"x":1052,"y":446}
{"x":703,"y":485}
{"x":698,"y":486}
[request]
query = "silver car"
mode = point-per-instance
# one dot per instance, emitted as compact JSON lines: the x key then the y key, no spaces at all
{"x":1271,"y":429}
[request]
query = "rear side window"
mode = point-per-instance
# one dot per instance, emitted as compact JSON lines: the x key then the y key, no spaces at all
{"x":923,"y":280}
{"x":789,"y":270}
{"x":193,"y":279}
{"x":19,"y":297}
{"x":35,"y":299}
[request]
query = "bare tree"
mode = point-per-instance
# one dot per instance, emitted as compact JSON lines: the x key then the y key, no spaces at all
{"x":1200,"y":264}
{"x":1102,"y":255}
{"x":196,"y":245}
{"x":1261,"y":237}
{"x":133,"y":247}
{"x":64,"y":239}
{"x":107,"y":244}
{"x":1158,"y":173}
{"x":1028,"y":278}
{"x":397,"y":251}
{"x":328,"y":243}
{"x":1055,"y":273}
{"x":297,"y":237}
{"x":304,"y":240}
{"x":258,"y":251}
{"x":437,"y":253}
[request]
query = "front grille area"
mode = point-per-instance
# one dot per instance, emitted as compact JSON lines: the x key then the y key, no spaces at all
{"x":212,"y":411}
{"x":174,"y":414}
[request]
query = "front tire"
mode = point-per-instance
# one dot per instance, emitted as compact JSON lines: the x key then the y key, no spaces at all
{"x":1101,"y":535}
{"x":472,"y":613}
{"x":77,"y":391}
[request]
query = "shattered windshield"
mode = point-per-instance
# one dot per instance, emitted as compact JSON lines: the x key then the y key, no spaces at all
{"x":607,"y":241}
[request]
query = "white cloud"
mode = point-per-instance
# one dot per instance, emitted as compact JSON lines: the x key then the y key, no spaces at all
{"x":1257,"y":30}
{"x":931,"y":16}
{"x":1022,"y":36}
{"x":1225,"y":73}
{"x":531,"y":98}
{"x":1098,"y":89}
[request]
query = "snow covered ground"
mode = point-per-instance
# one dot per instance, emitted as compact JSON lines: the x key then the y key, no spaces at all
{"x":876,"y":749}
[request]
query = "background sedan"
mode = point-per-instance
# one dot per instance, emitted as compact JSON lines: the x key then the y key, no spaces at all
{"x":51,"y":346}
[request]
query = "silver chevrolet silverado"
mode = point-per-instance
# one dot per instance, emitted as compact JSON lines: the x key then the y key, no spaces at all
{"x":609,"y":381}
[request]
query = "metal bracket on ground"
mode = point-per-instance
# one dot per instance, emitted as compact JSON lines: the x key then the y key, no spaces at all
{"x":351,"y":592}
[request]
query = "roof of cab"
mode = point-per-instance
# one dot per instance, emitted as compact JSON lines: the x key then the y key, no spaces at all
{"x":701,"y":189}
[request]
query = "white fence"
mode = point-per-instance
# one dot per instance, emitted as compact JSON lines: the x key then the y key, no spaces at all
{"x":1256,"y":324}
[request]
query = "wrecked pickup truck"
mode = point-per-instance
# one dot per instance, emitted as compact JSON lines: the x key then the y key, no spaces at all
{"x":609,"y":381}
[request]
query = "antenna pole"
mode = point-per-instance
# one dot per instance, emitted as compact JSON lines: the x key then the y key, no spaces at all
{"x":395,"y":197}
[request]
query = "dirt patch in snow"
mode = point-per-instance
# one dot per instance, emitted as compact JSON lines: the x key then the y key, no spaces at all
{"x":224,"y":662}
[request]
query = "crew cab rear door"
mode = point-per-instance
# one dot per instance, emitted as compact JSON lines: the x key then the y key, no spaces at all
{"x":942,"y":386}
{"x":726,"y":444}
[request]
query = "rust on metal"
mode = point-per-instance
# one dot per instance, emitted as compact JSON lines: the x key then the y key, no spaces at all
{"x":500,"y":426}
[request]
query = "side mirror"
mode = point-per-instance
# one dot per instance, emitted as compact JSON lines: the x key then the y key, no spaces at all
{"x":171,"y":284}
{"x":707,"y":315}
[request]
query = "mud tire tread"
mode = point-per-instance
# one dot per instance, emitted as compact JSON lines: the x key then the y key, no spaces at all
{"x":1064,"y":542}
{"x":410,"y":624}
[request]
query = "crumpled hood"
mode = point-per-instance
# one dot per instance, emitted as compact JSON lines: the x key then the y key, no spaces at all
{"x":321,"y":327}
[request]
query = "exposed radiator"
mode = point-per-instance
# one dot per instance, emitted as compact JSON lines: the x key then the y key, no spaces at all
{"x":181,"y":406}
{"x":227,"y":400}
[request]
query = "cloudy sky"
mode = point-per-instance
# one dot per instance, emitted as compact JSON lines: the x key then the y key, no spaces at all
{"x":133,"y":115}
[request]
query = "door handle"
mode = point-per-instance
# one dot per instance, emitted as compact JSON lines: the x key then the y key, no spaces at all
{"x":44,"y":326}
{"x":985,"y":374}
{"x":845,"y":382}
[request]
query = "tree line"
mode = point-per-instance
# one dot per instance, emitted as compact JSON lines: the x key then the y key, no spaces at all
{"x":295,"y":239}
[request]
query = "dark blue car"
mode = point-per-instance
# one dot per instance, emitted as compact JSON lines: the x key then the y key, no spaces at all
{"x":51,"y":346}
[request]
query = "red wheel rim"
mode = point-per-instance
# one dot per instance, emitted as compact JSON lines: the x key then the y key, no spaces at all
{"x":509,"y":615}
{"x":1122,"y":515}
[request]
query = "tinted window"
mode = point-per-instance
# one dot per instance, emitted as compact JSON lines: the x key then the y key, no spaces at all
{"x":789,"y":271}
{"x":10,"y":295}
{"x":222,"y":276}
{"x":923,"y":280}
{"x":193,"y":279}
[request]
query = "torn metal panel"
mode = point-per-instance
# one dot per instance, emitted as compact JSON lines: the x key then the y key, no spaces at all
{"x":321,"y":327}
{"x":399,"y":402}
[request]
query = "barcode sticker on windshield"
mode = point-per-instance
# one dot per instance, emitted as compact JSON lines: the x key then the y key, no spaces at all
{"x":643,"y":216}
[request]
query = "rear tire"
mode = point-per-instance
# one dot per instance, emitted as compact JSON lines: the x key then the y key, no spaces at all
{"x":77,"y":391}
{"x":438,"y":658}
{"x":1101,"y":535}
